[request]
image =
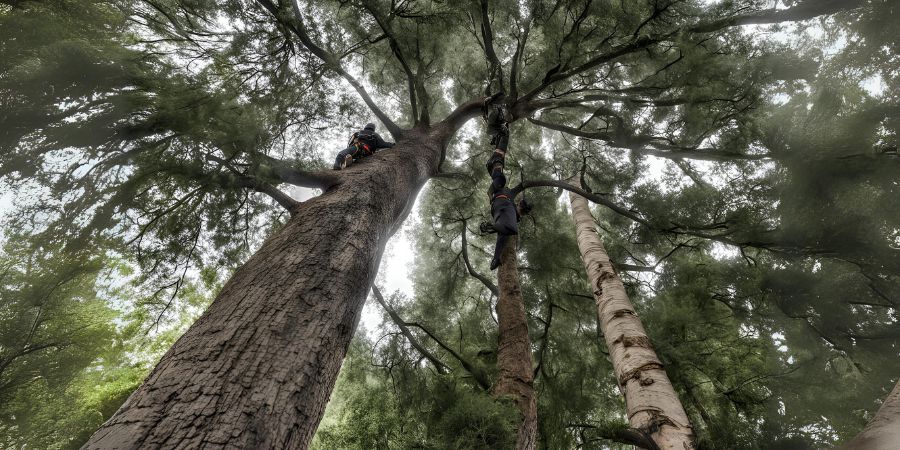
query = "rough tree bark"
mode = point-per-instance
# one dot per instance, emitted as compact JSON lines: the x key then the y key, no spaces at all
{"x":257,"y":368}
{"x":883,"y":431}
{"x":514,"y":348}
{"x":650,"y":400}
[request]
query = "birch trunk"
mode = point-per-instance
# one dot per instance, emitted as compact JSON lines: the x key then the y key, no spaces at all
{"x":514,"y":348}
{"x":650,"y":400}
{"x":257,"y":368}
{"x":883,"y":431}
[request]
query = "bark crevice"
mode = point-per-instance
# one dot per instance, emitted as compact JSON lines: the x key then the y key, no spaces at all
{"x":271,"y":344}
{"x":514,"y":359}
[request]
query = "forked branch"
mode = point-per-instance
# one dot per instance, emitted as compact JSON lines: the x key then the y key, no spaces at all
{"x":294,"y":21}
{"x":401,"y":324}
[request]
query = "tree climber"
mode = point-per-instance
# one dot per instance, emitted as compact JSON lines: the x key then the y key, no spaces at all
{"x":363,"y":143}
{"x":497,"y":118}
{"x":504,"y":212}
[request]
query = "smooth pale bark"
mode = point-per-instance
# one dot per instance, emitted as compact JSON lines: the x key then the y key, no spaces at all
{"x":257,"y":368}
{"x":514,"y":348}
{"x":883,"y":431}
{"x":650,"y":400}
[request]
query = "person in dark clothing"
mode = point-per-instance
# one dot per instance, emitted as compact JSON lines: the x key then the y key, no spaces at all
{"x":496,"y":118}
{"x":363,"y":143}
{"x":504,"y":212}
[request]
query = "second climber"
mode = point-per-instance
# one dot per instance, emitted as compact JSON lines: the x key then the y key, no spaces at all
{"x":504,"y":212}
{"x":363,"y":143}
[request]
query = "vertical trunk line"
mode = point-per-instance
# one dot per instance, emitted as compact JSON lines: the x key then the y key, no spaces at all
{"x":883,"y":431}
{"x":514,"y":348}
{"x":257,"y":368}
{"x":650,"y":400}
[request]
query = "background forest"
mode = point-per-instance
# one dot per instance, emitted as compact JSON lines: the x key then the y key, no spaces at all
{"x":741,"y":156}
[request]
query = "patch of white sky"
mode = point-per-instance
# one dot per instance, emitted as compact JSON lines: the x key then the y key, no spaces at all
{"x":7,"y":202}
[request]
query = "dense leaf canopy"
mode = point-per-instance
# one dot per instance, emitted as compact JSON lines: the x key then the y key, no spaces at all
{"x":741,"y":156}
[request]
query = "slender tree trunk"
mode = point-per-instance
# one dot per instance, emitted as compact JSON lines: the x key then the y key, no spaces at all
{"x":514,"y":348}
{"x":257,"y":368}
{"x":883,"y":431}
{"x":650,"y":400}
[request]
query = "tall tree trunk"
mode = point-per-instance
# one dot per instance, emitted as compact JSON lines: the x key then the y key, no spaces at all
{"x":514,"y":348}
{"x":883,"y":431}
{"x":257,"y":368}
{"x":650,"y":400}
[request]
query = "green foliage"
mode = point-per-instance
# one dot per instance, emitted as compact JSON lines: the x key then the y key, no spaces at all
{"x":75,"y":341}
{"x":136,"y":135}
{"x":56,"y":328}
{"x":370,"y":412}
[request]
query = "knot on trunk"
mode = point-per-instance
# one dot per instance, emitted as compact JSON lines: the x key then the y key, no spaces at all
{"x":638,"y":374}
{"x":623,"y":312}
{"x":605,"y":275}
{"x":636,"y":341}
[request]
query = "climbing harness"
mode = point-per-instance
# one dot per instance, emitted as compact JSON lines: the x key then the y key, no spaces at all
{"x":364,"y":143}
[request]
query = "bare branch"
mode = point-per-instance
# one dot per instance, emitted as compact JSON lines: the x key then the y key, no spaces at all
{"x":633,"y":46}
{"x":551,"y":103}
{"x":465,"y":254}
{"x":478,"y":375}
{"x":401,"y":324}
{"x":395,"y":49}
{"x":545,"y":337}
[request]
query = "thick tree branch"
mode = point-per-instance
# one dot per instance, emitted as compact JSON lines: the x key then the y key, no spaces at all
{"x":286,"y":173}
{"x":596,"y":198}
{"x":565,"y":102}
{"x":691,"y":173}
{"x":276,"y":194}
{"x":487,"y":33}
{"x":462,"y":114}
{"x":521,"y":40}
{"x":631,"y":436}
{"x":421,"y":73}
{"x":553,"y":77}
{"x":239,"y":179}
{"x":401,"y":324}
{"x":638,"y":144}
{"x":804,"y":10}
{"x":294,"y":22}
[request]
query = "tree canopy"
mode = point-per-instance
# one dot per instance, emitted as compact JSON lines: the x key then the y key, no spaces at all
{"x":741,"y":157}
